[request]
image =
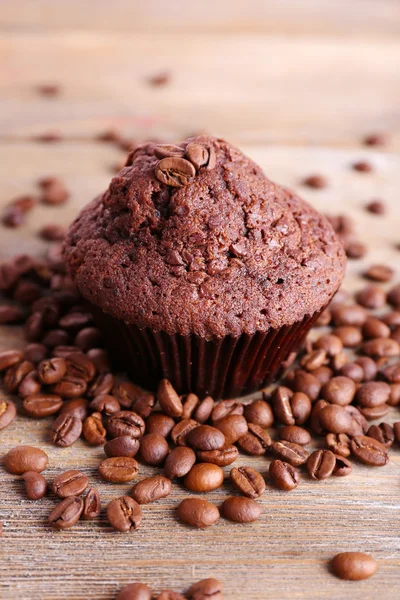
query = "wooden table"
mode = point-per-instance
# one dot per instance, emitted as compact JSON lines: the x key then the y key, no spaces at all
{"x":297,"y":86}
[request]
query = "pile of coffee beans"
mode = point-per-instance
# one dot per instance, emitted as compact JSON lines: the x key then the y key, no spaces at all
{"x":206,"y":588}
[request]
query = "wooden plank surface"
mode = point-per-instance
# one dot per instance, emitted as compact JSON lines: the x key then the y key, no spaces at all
{"x":297,"y":104}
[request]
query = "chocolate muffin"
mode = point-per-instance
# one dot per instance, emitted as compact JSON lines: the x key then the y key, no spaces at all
{"x":200,"y":269}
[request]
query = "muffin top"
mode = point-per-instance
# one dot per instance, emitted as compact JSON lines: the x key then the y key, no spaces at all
{"x":195,"y":239}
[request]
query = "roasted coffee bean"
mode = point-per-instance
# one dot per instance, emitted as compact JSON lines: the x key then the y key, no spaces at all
{"x":122,"y":446}
{"x":369,"y":451}
{"x":103,"y":384}
{"x":240,"y":509}
{"x":281,"y":405}
{"x":70,"y":483}
{"x":51,"y":370}
{"x":35,"y":485}
{"x":124,"y":514}
{"x":225,"y":408}
{"x":182,"y":429}
{"x":317,"y":182}
{"x":55,"y":192}
{"x":283,"y":475}
{"x":135,"y":591}
{"x":151,"y":489}
{"x":222,"y":458}
{"x":201,"y":156}
{"x":206,"y":588}
{"x":77,"y":407}
{"x":29,"y":385}
{"x":331,"y":343}
{"x":70,"y":387}
{"x":379,"y":347}
{"x":153,"y":449}
{"x":52,"y":232}
{"x":308,"y":384}
{"x":75,"y":320}
{"x":313,"y":360}
{"x":371,"y":297}
{"x":383,"y":433}
{"x":204,"y":477}
{"x":56,"y":337}
{"x":87,"y":338}
{"x":64,"y":351}
{"x":373,"y":393}
{"x":339,"y":390}
{"x":118,"y":469}
{"x":301,"y":407}
{"x":159,"y":423}
{"x":248,"y":481}
{"x":35,"y":352}
{"x":295,"y":434}
{"x":21,"y":459}
{"x":256,"y":441}
{"x":339,"y":360}
{"x":144,"y":405}
{"x":391,"y":373}
{"x":315,"y":424}
{"x":349,"y":315}
{"x":34,"y":327}
{"x":379,"y":273}
{"x":125,"y":422}
{"x":294,"y":454}
{"x":352,"y":371}
{"x":323,"y":374}
{"x":354,"y":566}
{"x":66,"y":513}
{"x":105,"y":404}
{"x":356,"y":249}
{"x":232,"y":426}
{"x":375,"y":328}
{"x":66,"y":429}
{"x":126,"y":393}
{"x":91,"y":505}
{"x":338,"y":443}
{"x":391,"y":318}
{"x":349,"y":336}
{"x":8,"y":412}
{"x":342,"y":466}
{"x":360,"y":424}
{"x":393,"y":296}
{"x":189,"y":404}
{"x":169,"y":400}
{"x":394,"y":398}
{"x":320,"y":464}
{"x":168,"y":150}
{"x":369,"y":367}
{"x":170,"y":595}
{"x":197,"y":512}
{"x":334,"y":419}
{"x":179,"y":462}
{"x":10,"y":315}
{"x":42,"y":405}
{"x":80,"y":366}
{"x":260,"y":413}
{"x":16,"y":374}
{"x":374,"y":412}
{"x":13,"y":216}
{"x":203,"y":410}
{"x":93,"y":430}
{"x":175,"y":171}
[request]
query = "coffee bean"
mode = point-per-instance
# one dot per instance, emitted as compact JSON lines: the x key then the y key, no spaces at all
{"x":394,"y":398}
{"x":381,"y":347}
{"x":360,"y":424}
{"x":373,"y":393}
{"x":124,"y":514}
{"x":151,"y":489}
{"x":339,"y":390}
{"x":91,"y":505}
{"x":169,"y":400}
{"x":159,"y":423}
{"x":21,"y":459}
{"x":29,"y":385}
{"x":70,"y":483}
{"x":374,"y":412}
{"x":352,"y":371}
{"x":232,"y":426}
{"x":383,"y":433}
{"x":179,"y":462}
{"x":222,"y":458}
{"x":330,"y":343}
{"x":10,"y":315}
{"x":203,"y":410}
{"x":56,"y":337}
{"x":8,"y":412}
{"x":339,"y":360}
{"x":349,"y":336}
{"x":295,"y":434}
{"x":200,"y":156}
{"x":80,"y":366}
{"x":125,"y":422}
{"x":204,"y":477}
{"x":88,"y":338}
{"x":248,"y":481}
{"x":105,"y":404}
{"x":122,"y":446}
{"x":320,"y":464}
{"x":175,"y":171}
{"x":368,"y":366}
{"x":77,"y":407}
{"x":301,"y":407}
{"x":35,"y":352}
{"x":334,"y":419}
{"x":338,"y":443}
{"x":170,"y":595}
{"x":393,"y":296}
{"x":144,"y":405}
{"x":42,"y":405}
{"x":135,"y":591}
{"x":294,"y":454}
{"x":75,"y":320}
{"x":379,"y":273}
{"x":307,"y":384}
{"x":13,"y":216}
{"x":241,"y":510}
{"x":70,"y":387}
{"x":118,"y":469}
{"x":375,"y":328}
{"x":371,"y":297}
{"x":355,"y":249}
{"x":66,"y":429}
{"x":369,"y":451}
{"x":168,"y":150}
{"x":51,"y":370}
{"x":93,"y":430}
{"x":354,"y":315}
{"x":153,"y":449}
{"x":126,"y":393}
{"x":206,"y":588}
{"x":182,"y":429}
{"x":317,"y":182}
{"x":102,"y":384}
{"x":64,"y":351}
{"x":391,"y":373}
{"x":313,"y":360}
{"x":342,"y":466}
{"x":197,"y":512}
{"x":35,"y":485}
{"x":66,"y":513}
{"x":54,"y":192}
{"x":281,"y":405}
{"x":16,"y":374}
{"x":314,"y":423}
{"x":283,"y":475}
{"x":189,"y":404}
{"x":260,"y":413}
{"x":225,"y":408}
{"x":256,"y":441}
{"x":354,"y":566}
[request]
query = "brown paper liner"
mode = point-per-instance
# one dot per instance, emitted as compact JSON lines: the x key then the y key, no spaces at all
{"x":222,"y":368}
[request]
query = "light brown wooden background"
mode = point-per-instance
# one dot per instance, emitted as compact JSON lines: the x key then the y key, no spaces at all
{"x":297,"y":85}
